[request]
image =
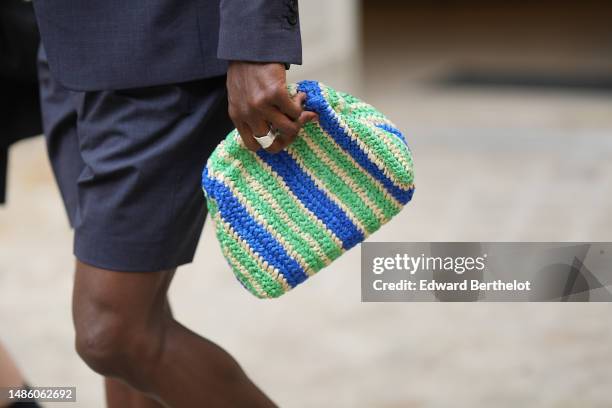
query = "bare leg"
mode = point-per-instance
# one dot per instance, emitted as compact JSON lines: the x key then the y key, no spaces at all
{"x":124,"y":331}
{"x":121,"y":395}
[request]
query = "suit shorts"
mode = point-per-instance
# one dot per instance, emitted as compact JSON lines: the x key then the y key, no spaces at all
{"x":128,"y":165}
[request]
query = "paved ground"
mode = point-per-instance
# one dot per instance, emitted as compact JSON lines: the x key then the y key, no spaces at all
{"x":491,"y":165}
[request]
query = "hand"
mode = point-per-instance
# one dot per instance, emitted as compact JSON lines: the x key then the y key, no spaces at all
{"x":259,"y":101}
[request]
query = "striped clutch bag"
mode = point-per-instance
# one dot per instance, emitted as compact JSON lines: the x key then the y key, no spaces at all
{"x":280,"y":218}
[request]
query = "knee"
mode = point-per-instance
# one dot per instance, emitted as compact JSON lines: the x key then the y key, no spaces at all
{"x":101,"y":343}
{"x":112,"y":346}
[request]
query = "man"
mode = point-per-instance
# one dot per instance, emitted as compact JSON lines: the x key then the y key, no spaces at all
{"x":135,"y":97}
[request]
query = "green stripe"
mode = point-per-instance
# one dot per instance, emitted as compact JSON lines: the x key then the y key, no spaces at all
{"x":277,"y":224}
{"x":332,"y":96}
{"x":335,"y":185}
{"x":285,"y":200}
{"x":373,"y":190}
{"x":268,"y":284}
{"x":367,"y":112}
{"x":375,"y":145}
{"x":378,"y":148}
{"x":405,"y":175}
{"x":212,"y":209}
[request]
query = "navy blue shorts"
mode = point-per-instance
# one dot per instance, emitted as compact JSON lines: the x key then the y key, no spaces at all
{"x":128,"y":164}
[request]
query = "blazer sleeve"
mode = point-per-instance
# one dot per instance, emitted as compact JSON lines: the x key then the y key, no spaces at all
{"x":260,"y":31}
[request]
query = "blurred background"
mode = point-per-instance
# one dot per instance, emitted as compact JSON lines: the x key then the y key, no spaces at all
{"x":507,"y":107}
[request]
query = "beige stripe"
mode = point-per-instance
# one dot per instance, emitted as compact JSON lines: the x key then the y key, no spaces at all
{"x":263,"y":265}
{"x":386,"y":138}
{"x":290,"y":249}
{"x":268,"y":198}
{"x":361,"y":105}
{"x":363,"y":146}
{"x":337,"y":170}
{"x":348,"y":157}
{"x":301,"y":205}
{"x":382,"y":121}
{"x":378,"y":163}
{"x":331,"y":195}
{"x":260,"y":292}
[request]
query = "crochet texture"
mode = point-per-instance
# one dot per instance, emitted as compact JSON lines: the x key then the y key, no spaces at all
{"x":280,"y":218}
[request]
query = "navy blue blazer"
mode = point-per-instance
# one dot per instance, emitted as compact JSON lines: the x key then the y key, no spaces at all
{"x":115,"y":44}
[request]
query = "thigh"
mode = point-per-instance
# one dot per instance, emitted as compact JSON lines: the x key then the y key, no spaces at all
{"x":59,"y":125}
{"x":139,"y":196}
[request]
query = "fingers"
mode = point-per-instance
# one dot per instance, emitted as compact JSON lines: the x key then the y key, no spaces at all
{"x":308,"y":116}
{"x":291,"y":107}
{"x":286,"y":130}
{"x":304,"y":118}
{"x":248,"y":129}
{"x":258,"y":128}
{"x":258,"y":125}
{"x":300,"y":99}
{"x":287,"y":127}
{"x":248,"y":137}
{"x":277,"y":146}
{"x":285,"y":117}
{"x":259,"y":100}
{"x":263,"y":128}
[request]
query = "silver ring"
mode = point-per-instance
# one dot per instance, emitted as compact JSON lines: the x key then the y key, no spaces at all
{"x":266,"y":140}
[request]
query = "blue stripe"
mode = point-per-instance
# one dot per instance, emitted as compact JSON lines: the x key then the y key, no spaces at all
{"x":392,"y":130}
{"x":317,"y":103}
{"x":206,"y":183}
{"x":313,"y":198}
{"x":256,"y":236}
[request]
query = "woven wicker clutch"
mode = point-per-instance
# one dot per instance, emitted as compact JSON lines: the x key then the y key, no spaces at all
{"x":280,"y":218}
